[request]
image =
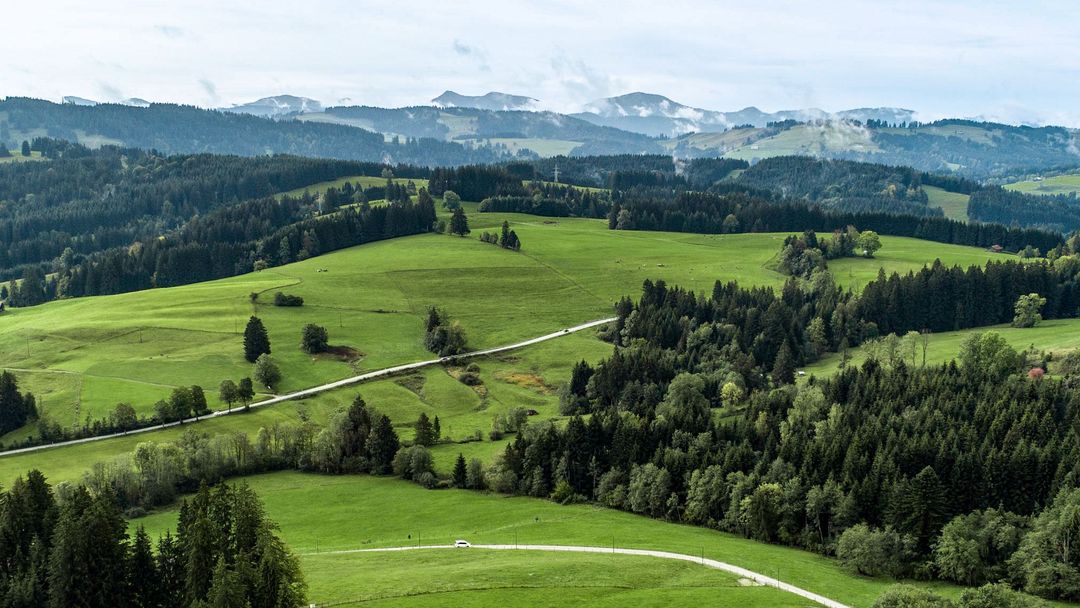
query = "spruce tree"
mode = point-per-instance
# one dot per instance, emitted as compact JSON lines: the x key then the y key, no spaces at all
{"x":144,"y":583}
{"x":784,"y":368}
{"x":425,"y":432}
{"x":459,"y":224}
{"x":256,"y":340}
{"x":382,"y":445}
{"x":460,"y":472}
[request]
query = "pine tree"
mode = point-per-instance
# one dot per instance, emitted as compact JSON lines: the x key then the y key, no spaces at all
{"x":459,"y":224}
{"x":256,"y":340}
{"x":425,"y":432}
{"x":25,"y":148}
{"x":383,"y":444}
{"x":504,"y":237}
{"x":460,"y":472}
{"x":436,"y":429}
{"x":144,"y":582}
{"x":171,"y":572}
{"x":226,"y":588}
{"x":784,"y":368}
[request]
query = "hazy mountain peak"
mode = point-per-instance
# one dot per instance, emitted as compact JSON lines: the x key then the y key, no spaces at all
{"x":492,"y":100}
{"x":278,"y":105}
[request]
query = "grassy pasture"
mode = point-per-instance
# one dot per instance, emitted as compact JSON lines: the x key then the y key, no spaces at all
{"x":527,"y":579}
{"x":135,"y":347}
{"x":319,"y":513}
{"x":953,"y":204}
{"x":1056,"y":336}
{"x":1057,"y":184}
{"x":17,"y":157}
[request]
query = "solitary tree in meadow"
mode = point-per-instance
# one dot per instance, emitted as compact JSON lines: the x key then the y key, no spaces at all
{"x":256,"y":340}
{"x":459,"y":224}
{"x":314,"y":339}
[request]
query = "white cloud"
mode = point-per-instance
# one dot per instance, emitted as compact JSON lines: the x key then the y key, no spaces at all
{"x":946,"y":57}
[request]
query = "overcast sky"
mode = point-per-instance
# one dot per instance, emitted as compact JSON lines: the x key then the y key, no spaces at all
{"x":1014,"y":61}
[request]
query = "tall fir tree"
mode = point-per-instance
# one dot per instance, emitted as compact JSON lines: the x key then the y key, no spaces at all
{"x":256,"y":340}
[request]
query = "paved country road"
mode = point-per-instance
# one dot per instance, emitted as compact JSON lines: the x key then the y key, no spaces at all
{"x":761,"y":579}
{"x":307,"y":392}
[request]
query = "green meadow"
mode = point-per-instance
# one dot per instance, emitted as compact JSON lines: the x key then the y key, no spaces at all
{"x":952,"y":203}
{"x":1068,"y":183}
{"x":318,"y":514}
{"x":1056,"y":336}
{"x":82,"y":356}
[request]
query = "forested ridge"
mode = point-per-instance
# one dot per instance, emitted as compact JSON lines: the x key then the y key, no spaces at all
{"x":176,"y":129}
{"x":91,"y":200}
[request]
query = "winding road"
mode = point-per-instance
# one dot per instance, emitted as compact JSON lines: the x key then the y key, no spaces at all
{"x":307,"y":392}
{"x":760,"y":579}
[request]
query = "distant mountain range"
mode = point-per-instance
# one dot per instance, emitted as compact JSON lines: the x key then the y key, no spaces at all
{"x":131,"y":101}
{"x":490,"y":101}
{"x":280,"y":105}
{"x":657,"y":115}
{"x":462,"y":128}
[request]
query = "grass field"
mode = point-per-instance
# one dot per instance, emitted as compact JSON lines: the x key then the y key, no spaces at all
{"x":953,"y":204}
{"x":85,"y":355}
{"x":1056,"y":336}
{"x":17,"y":157}
{"x":1057,"y":184}
{"x":526,"y":579}
{"x":318,"y":513}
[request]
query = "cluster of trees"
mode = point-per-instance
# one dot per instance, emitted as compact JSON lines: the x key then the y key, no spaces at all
{"x":996,"y":204}
{"x":871,"y":464}
{"x":16,"y":408}
{"x":844,"y":185}
{"x":507,"y":238}
{"x":357,"y":439}
{"x":738,"y":212}
{"x":93,"y":200}
{"x":475,"y":182}
{"x":441,"y":335}
{"x":75,"y":550}
{"x":233,"y":240}
{"x":804,"y":254}
{"x":551,"y":200}
{"x":283,"y":299}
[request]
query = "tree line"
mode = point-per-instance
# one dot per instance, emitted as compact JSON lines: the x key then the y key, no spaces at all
{"x":92,"y":200}
{"x":230,"y":241}
{"x":738,"y":212}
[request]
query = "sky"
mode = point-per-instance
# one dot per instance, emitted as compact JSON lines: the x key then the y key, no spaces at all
{"x":1009,"y":61}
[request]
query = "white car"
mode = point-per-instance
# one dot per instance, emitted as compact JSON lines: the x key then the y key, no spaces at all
{"x":462,"y":544}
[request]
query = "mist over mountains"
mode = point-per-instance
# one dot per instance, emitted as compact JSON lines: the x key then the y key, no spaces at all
{"x":457,"y":129}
